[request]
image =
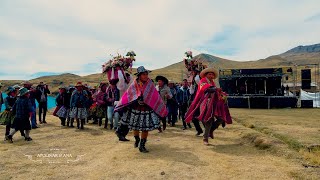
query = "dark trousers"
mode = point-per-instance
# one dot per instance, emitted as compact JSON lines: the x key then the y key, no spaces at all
{"x":164,"y":123}
{"x":208,"y":128}
{"x":173,"y":113}
{"x":43,"y":111}
{"x":197,"y":126}
{"x":212,"y":125}
{"x":8,"y":126}
{"x":80,"y":123}
{"x":183,"y":110}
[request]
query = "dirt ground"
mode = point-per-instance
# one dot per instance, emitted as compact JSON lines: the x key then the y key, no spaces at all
{"x":96,"y":153}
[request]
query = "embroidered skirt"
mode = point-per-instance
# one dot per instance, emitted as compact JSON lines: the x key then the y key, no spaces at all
{"x":78,"y":113}
{"x":63,"y":112}
{"x":141,"y":120}
{"x":6,"y":117}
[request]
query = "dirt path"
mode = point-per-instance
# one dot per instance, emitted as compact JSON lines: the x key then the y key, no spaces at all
{"x":174,"y":154}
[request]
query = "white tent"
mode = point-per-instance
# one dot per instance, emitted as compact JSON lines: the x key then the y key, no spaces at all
{"x":315,"y":97}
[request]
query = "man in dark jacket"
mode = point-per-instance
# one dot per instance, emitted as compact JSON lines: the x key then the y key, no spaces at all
{"x":42,"y":98}
{"x":172,"y":104}
{"x":112,"y":96}
{"x":184,"y":99}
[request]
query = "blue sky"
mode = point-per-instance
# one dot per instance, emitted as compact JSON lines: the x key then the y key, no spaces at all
{"x":78,"y":36}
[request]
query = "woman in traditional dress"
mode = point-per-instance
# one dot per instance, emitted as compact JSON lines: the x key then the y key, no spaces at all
{"x":70,"y":120}
{"x":78,"y":104}
{"x":143,"y":106}
{"x":64,"y":104}
{"x":100,"y":103}
{"x":209,"y":103}
{"x":23,"y":111}
{"x":8,"y":115}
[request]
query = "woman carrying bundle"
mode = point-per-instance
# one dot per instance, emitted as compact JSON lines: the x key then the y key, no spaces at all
{"x":143,"y":106}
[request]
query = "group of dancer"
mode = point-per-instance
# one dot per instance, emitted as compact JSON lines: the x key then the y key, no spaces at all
{"x":82,"y":103}
{"x":143,"y":107}
{"x":20,"y":109}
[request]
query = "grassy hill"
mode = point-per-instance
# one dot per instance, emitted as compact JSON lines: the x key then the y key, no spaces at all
{"x":300,"y":56}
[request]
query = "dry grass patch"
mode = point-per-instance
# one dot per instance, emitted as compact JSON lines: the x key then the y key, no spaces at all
{"x":297,"y":128}
{"x":312,"y":157}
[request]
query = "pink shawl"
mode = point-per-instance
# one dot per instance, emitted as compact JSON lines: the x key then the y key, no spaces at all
{"x":208,"y":108}
{"x":151,"y":97}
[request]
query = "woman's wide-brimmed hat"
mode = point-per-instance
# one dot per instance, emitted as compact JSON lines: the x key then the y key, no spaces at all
{"x":16,"y":86}
{"x":140,"y":70}
{"x":209,"y":70}
{"x":79,"y":84}
{"x":10,"y":89}
{"x":162,"y":78}
{"x":23,"y":91}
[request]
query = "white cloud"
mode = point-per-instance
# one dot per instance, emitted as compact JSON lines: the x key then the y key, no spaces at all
{"x":64,"y":36}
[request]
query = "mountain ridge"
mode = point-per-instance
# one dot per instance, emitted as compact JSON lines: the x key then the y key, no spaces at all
{"x":299,"y":55}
